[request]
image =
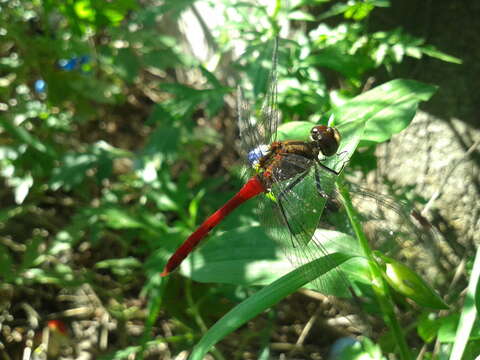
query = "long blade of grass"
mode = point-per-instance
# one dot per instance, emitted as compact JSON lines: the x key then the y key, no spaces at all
{"x":379,"y":285}
{"x":265,"y":298}
{"x":469,"y":312}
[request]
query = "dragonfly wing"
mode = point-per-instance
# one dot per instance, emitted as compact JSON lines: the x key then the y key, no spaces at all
{"x":270,"y":116}
{"x":394,"y":228}
{"x":249,"y":136}
{"x":260,"y":128}
{"x":292,"y":214}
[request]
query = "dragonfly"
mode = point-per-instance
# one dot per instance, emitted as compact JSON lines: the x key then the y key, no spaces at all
{"x":281,"y":161}
{"x":273,"y":162}
{"x":296,"y":183}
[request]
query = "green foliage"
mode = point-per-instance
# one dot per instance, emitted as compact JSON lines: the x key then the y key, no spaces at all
{"x":408,"y":283}
{"x":265,"y":298}
{"x":114,"y":138}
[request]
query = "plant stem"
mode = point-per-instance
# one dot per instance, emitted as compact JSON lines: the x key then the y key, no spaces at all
{"x":469,"y":312}
{"x":154,"y":304}
{"x":378,"y":283}
{"x":197,"y":316}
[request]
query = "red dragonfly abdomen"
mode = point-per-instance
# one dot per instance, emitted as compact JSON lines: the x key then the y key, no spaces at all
{"x":252,"y":188}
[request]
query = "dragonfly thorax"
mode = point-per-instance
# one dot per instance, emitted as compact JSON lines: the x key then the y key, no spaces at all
{"x":256,"y":154}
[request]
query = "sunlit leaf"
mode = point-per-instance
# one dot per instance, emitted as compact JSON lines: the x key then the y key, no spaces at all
{"x":428,"y":327}
{"x":25,"y":137}
{"x":120,"y":267}
{"x":73,"y":170}
{"x":333,"y":57}
{"x":410,"y":284}
{"x":265,"y":298}
{"x":301,"y":16}
{"x":387,"y":109}
{"x":433,"y":52}
{"x":119,"y":219}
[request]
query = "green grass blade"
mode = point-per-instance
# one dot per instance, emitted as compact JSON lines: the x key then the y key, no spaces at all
{"x":378,"y":283}
{"x":469,"y":313}
{"x":265,"y":298}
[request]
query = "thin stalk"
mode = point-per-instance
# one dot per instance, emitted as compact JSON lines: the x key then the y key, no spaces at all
{"x":193,"y":306}
{"x":276,"y":10}
{"x":469,"y":312}
{"x":197,"y":316}
{"x":273,"y":17}
{"x":154,"y":305}
{"x":378,"y":283}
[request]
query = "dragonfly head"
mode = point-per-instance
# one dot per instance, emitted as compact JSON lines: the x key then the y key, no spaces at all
{"x":326,"y":139}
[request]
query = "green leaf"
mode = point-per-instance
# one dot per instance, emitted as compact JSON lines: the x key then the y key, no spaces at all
{"x":120,"y":267}
{"x":294,"y":130}
{"x":121,"y":263}
{"x":21,"y":187}
{"x":83,"y":9}
{"x":24,"y":136}
{"x":249,"y":256}
{"x":336,"y":9}
{"x":359,"y":10}
{"x":387,"y":109}
{"x":116,"y":11}
{"x":301,"y":16}
{"x":62,"y":275}
{"x":244,"y":255}
{"x":161,"y":59}
{"x":74,"y":166}
{"x":211,"y":78}
{"x":433,"y":52}
{"x":187,"y":98}
{"x":409,"y":283}
{"x":335,"y":58}
{"x":264,"y":299}
{"x":10,"y":212}
{"x":97,"y":90}
{"x":119,"y":219}
{"x":127,"y":64}
{"x":449,"y":328}
{"x":159,"y":115}
{"x":164,"y":141}
{"x":428,"y":327}
{"x":72,"y":171}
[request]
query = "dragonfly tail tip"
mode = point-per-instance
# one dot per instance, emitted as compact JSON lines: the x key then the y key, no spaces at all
{"x":164,"y":273}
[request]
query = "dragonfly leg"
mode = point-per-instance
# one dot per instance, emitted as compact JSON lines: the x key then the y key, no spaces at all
{"x":329,"y":169}
{"x":318,"y":185}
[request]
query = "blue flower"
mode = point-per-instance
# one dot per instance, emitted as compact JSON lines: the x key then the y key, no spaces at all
{"x":68,"y":65}
{"x":40,"y":86}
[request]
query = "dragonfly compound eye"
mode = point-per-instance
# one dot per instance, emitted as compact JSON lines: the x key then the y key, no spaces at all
{"x":327,"y":139}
